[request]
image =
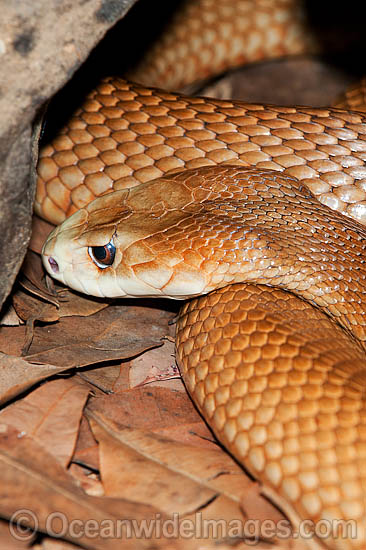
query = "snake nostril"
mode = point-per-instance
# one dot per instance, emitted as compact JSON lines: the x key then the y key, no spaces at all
{"x":53,"y":264}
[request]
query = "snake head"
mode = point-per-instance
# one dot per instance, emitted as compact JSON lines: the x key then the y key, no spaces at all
{"x":195,"y":231}
{"x":113,"y":246}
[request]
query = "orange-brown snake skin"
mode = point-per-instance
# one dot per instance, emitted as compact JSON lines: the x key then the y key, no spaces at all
{"x":274,"y":361}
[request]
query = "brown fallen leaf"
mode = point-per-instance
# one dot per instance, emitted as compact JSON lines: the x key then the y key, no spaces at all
{"x":180,"y":478}
{"x":17,"y":375}
{"x":176,"y":478}
{"x":86,"y":448}
{"x":41,"y":416}
{"x":29,"y":307}
{"x":9,"y":542}
{"x":160,"y":410}
{"x":204,"y":464}
{"x":155,"y":367}
{"x":29,"y":471}
{"x":104,"y":378}
{"x":72,"y":303}
{"x":117,"y":332}
{"x":9,"y":317}
{"x":134,"y":475}
{"x":32,"y":309}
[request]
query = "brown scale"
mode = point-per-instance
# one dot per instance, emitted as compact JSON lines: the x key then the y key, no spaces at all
{"x":125,"y":134}
{"x":235,"y":32}
{"x":354,"y":98}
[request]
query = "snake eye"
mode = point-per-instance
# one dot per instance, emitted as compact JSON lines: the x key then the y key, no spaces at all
{"x":103,"y":256}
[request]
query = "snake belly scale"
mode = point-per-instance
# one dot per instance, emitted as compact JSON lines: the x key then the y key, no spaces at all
{"x":228,"y":203}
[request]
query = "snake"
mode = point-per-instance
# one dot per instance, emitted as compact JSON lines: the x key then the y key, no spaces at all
{"x":255,"y":216}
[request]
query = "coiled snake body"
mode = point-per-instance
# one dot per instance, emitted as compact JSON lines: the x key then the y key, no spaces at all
{"x":274,"y":355}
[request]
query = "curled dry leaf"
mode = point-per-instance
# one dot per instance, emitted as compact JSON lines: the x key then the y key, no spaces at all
{"x":31,"y":308}
{"x":179,"y":479}
{"x":9,"y":542}
{"x":17,"y":375}
{"x":155,"y":367}
{"x":160,"y":410}
{"x":105,"y":378}
{"x":28,"y":470}
{"x":73,"y":303}
{"x":86,"y":450}
{"x":136,"y":475}
{"x":42,"y":415}
{"x":113,"y":333}
{"x":117,"y":332}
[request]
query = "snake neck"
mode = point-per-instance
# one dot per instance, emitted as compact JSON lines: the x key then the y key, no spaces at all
{"x":269,"y":229}
{"x":302,"y":265}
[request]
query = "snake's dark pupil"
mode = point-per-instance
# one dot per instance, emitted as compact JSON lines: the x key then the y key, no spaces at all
{"x":100,"y":253}
{"x":103,"y":256}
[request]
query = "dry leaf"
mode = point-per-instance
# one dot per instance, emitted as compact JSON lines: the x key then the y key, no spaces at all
{"x":86,"y":449}
{"x":29,"y":307}
{"x":202,"y":486}
{"x":72,"y":303}
{"x":29,"y":471}
{"x":156,"y":366}
{"x":163,"y":411}
{"x":114,"y":333}
{"x":104,"y":378}
{"x":134,"y":475}
{"x":17,"y":375}
{"x":117,"y":332}
{"x":176,"y":478}
{"x":41,"y":416}
{"x":10,"y":542}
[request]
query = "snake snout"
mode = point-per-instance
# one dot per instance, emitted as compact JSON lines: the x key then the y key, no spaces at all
{"x":53,"y":265}
{"x":56,"y":257}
